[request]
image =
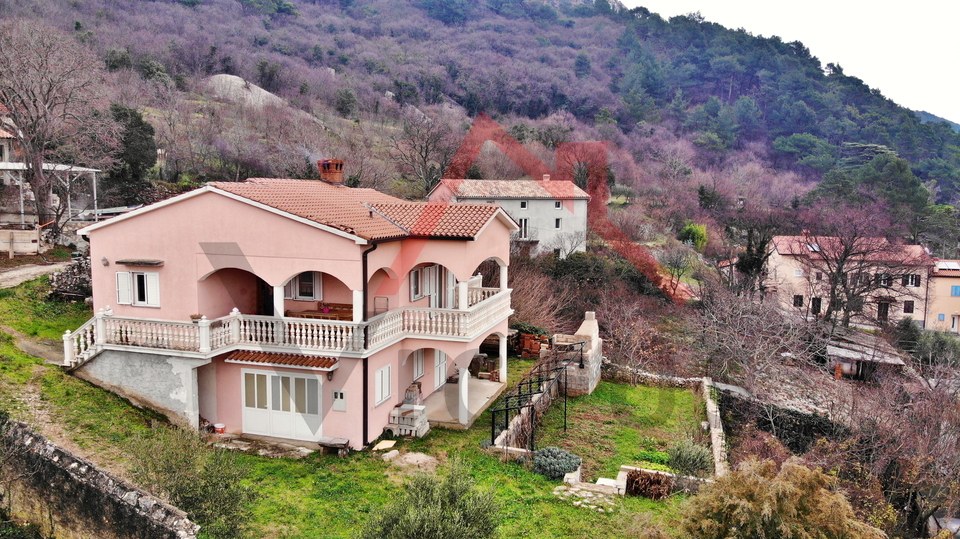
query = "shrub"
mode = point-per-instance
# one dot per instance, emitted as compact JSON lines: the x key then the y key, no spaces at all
{"x":658,"y":457}
{"x":447,"y":506}
{"x":689,"y":458}
{"x":649,"y":485}
{"x":530,"y":329}
{"x":693,"y":234}
{"x":554,"y":463}
{"x":204,"y":482}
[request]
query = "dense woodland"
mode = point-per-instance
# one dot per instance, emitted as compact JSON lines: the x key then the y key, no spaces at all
{"x":717,"y":140}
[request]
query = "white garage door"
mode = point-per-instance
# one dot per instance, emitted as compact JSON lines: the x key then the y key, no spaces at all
{"x":282,"y":405}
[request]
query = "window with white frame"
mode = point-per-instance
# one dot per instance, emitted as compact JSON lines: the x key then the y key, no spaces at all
{"x":523,"y":204}
{"x":524,"y":231}
{"x":557,"y":223}
{"x":308,"y":286}
{"x":798,"y":273}
{"x":418,"y":364}
{"x":912,"y":280}
{"x":383,"y":385}
{"x":339,"y":401}
{"x":557,"y":205}
{"x":416,"y":284}
{"x":138,"y":288}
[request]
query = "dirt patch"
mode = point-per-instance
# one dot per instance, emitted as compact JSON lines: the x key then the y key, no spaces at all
{"x":21,"y":274}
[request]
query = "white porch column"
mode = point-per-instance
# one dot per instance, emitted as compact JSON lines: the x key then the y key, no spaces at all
{"x":464,"y":383}
{"x":503,"y":359}
{"x":358,"y":307}
{"x":278,"y":301}
{"x":463,"y":300}
{"x":503,"y":277}
{"x":203,"y":326}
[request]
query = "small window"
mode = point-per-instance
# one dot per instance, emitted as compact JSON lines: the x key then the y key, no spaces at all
{"x":141,"y":289}
{"x":557,"y":205}
{"x":912,"y":280}
{"x":819,"y":276}
{"x":955,"y":291}
{"x":383,"y":385}
{"x":306,"y":286}
{"x":798,"y":300}
{"x":416,"y":284}
{"x":418,"y":364}
{"x":524,"y":232}
{"x":339,"y":401}
{"x":815,"y":305}
{"x":523,"y":204}
{"x":907,"y":307}
{"x":798,"y":273}
{"x":557,"y":223}
{"x":884,"y":279}
{"x":941,"y":317}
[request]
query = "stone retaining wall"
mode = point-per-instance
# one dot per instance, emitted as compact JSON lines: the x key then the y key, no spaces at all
{"x":67,"y":497}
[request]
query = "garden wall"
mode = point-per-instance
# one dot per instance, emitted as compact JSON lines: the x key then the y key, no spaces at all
{"x":67,"y":497}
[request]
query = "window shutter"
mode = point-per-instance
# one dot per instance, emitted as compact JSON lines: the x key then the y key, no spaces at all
{"x":378,"y":386}
{"x":153,"y":289}
{"x":288,"y":288}
{"x":318,"y":286}
{"x":124,"y":288}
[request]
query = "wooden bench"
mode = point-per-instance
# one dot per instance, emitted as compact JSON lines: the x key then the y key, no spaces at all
{"x":341,"y":445}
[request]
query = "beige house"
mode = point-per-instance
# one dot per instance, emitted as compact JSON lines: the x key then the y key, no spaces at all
{"x":943,"y":306}
{"x":872,"y":281}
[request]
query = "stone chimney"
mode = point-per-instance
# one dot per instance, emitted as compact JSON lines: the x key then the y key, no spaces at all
{"x":546,"y":177}
{"x":331,"y":170}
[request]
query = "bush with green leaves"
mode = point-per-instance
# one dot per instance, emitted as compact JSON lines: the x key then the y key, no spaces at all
{"x":693,"y":234}
{"x":554,"y":463}
{"x":204,"y":482}
{"x":652,"y":455}
{"x":444,"y":506}
{"x":689,"y":458}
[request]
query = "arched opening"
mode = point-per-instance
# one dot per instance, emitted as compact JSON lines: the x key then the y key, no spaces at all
{"x":429,"y":285}
{"x":317,"y":295}
{"x":225,"y":289}
{"x":383,"y":291}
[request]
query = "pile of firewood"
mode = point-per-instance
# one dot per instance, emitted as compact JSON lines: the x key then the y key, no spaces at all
{"x":73,"y":281}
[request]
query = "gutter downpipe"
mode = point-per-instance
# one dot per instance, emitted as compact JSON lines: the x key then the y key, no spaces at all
{"x":366,"y":345}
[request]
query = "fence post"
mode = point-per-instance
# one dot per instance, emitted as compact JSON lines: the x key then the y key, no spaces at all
{"x":101,"y":328}
{"x":204,"y":326}
{"x":67,"y":349}
{"x":234,"y":326}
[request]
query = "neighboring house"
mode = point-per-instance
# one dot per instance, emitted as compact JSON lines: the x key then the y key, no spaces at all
{"x":322,"y":305}
{"x":943,"y":311}
{"x":552,"y":215}
{"x":873,"y":280}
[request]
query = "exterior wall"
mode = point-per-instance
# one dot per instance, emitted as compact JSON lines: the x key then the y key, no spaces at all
{"x":782,"y":275}
{"x":542,"y":214}
{"x":942,"y":302}
{"x":167,"y":384}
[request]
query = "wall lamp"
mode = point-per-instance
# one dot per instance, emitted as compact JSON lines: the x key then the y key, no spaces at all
{"x":329,"y":376}
{"x":104,"y":261}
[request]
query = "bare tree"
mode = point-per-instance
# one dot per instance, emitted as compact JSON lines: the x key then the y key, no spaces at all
{"x":53,"y":88}
{"x":424,"y":149}
{"x":677,"y":260}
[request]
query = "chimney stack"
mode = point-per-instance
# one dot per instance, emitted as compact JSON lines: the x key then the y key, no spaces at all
{"x":331,"y":170}
{"x":546,"y":177}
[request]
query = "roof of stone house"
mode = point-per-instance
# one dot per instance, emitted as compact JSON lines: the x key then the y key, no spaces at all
{"x":872,"y":248}
{"x":493,"y":189}
{"x":946,"y":268}
{"x":366,"y":213}
{"x":276,"y":358}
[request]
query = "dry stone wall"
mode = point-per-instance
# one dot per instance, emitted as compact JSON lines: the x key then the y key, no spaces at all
{"x":68,"y":497}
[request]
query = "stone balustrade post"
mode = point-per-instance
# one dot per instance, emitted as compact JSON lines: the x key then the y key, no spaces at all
{"x":204,"y":326}
{"x":234,"y":322}
{"x":68,"y":349}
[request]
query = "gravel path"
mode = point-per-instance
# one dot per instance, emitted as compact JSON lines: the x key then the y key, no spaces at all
{"x":14,"y":276}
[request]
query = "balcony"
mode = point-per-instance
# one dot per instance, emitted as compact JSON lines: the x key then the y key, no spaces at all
{"x":208,"y":338}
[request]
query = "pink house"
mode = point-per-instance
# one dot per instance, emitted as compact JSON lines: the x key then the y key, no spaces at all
{"x":296,"y":309}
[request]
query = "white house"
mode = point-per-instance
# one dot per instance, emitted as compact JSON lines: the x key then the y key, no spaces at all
{"x":552,"y":215}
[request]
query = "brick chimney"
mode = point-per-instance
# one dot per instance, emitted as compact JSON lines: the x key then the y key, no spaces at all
{"x":331,"y":170}
{"x":546,"y":177}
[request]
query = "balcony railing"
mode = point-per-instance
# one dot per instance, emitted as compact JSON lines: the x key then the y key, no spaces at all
{"x":295,"y":335}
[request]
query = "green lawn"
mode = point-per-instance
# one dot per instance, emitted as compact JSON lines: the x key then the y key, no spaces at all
{"x":324,"y":496}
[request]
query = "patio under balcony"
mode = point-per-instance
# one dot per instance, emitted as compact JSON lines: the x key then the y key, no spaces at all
{"x":453,"y":408}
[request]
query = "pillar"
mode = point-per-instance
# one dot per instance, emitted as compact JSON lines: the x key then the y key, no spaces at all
{"x":359,"y":308}
{"x":503,"y":358}
{"x":503,"y":277}
{"x":278,"y":301}
{"x":462,"y":390}
{"x":463,"y":299}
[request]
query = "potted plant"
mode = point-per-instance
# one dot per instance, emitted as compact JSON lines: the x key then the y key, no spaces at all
{"x":195,"y":318}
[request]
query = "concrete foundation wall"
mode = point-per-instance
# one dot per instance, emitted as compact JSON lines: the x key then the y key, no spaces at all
{"x":167,"y":384}
{"x":67,"y":497}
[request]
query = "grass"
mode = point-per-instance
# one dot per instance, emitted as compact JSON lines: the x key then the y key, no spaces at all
{"x":618,"y":424}
{"x":322,"y":495}
{"x":57,"y":254}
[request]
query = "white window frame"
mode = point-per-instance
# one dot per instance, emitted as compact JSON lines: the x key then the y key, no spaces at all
{"x":416,"y":284}
{"x":557,"y":205}
{"x":418,"y":364}
{"x":524,"y":204}
{"x":130,"y":284}
{"x":558,"y":224}
{"x":383,"y":385}
{"x":913,"y":280}
{"x":524,"y":232}
{"x":292,"y":289}
{"x":339,"y":401}
{"x":798,"y":273}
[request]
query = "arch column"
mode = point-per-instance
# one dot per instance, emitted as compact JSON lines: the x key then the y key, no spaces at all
{"x":464,"y":383}
{"x":278,"y":301}
{"x":503,"y":359}
{"x":503,"y":277}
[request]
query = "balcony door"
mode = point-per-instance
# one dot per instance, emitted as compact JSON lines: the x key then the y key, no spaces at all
{"x":281,"y":405}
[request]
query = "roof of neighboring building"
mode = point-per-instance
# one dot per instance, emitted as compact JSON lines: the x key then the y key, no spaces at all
{"x":286,"y":360}
{"x":358,"y":213}
{"x":946,"y":268}
{"x":16,"y":166}
{"x":870,"y":247}
{"x":494,"y":189}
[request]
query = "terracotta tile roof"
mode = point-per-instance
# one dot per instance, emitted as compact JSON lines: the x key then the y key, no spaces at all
{"x":878,"y":249}
{"x":287,"y":360}
{"x":366,"y":213}
{"x":339,"y":207}
{"x":5,"y":134}
{"x":439,"y":219}
{"x":493,"y":189}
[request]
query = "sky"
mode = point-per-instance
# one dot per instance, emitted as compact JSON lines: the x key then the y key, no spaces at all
{"x":909,"y":50}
